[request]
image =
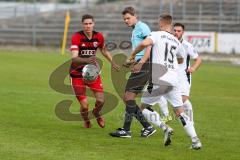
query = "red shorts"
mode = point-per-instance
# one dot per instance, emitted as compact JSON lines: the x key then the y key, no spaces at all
{"x":79,"y":86}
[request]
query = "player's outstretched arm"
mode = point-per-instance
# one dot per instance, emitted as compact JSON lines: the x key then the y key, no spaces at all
{"x":137,"y":67}
{"x":108,"y":56}
{"x":196,"y":65}
{"x":180,"y":60}
{"x":146,"y":42}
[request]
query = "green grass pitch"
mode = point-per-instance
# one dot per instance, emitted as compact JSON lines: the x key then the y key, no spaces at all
{"x":29,"y":128}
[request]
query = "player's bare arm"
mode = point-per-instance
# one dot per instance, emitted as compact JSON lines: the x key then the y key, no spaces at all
{"x":180,"y":60}
{"x":137,"y":67}
{"x":196,"y":65}
{"x":180,"y":53}
{"x":108,"y":56}
{"x":145,"y":43}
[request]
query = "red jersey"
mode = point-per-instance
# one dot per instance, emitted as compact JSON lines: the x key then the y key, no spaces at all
{"x":86,"y":48}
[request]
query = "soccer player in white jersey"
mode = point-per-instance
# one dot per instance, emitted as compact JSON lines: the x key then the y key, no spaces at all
{"x":184,"y":71}
{"x":166,"y":49}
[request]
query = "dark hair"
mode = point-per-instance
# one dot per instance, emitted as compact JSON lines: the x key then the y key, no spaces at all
{"x":179,"y":25}
{"x":129,"y":10}
{"x":166,"y":17}
{"x":87,"y":16}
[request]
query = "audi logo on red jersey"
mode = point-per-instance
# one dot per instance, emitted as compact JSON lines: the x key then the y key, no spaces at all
{"x":88,"y":52}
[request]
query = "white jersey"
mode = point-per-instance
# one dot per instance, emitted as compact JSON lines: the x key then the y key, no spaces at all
{"x":165,"y":51}
{"x":190,"y":52}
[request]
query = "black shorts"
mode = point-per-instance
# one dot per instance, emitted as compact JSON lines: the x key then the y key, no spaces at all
{"x":137,"y":81}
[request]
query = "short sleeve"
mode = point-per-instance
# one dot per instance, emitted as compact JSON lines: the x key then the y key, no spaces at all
{"x":101,"y":40}
{"x":192,"y":52}
{"x":145,"y":31}
{"x":75,"y":43}
{"x":180,"y":51}
{"x":153,"y":37}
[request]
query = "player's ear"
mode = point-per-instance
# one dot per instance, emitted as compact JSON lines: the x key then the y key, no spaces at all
{"x":135,"y":15}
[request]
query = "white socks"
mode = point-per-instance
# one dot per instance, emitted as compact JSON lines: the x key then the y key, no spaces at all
{"x":187,"y":106}
{"x":187,"y":125}
{"x":164,"y":106}
{"x":153,"y":117}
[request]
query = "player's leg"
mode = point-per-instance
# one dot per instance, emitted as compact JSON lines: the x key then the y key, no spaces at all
{"x":84,"y":111}
{"x":188,"y":127}
{"x":133,"y":110}
{"x":164,"y":108}
{"x":98,"y":107}
{"x":147,"y":101}
{"x":80,"y":91}
{"x":152,"y":116}
{"x":135,"y":85}
{"x":129,"y":113}
{"x":187,"y":106}
{"x":185,"y":92}
{"x":96,"y":87}
{"x":131,"y":107}
{"x":175,"y":99}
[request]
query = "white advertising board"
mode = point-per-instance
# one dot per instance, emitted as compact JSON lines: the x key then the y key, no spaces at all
{"x":228,"y":43}
{"x":202,"y":41}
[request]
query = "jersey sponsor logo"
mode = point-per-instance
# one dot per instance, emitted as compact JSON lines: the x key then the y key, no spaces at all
{"x":88,"y":52}
{"x":95,"y":44}
{"x":138,"y":36}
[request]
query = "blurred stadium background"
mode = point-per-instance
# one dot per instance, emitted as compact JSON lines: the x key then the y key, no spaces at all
{"x":31,"y":37}
{"x":215,"y":24}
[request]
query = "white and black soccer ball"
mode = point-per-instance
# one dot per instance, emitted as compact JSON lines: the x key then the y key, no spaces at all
{"x":90,"y":72}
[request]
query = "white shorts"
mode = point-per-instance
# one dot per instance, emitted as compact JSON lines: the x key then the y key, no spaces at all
{"x":184,"y":86}
{"x":173,"y":97}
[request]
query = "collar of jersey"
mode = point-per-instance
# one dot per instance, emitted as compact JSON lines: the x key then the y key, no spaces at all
{"x":137,"y":24}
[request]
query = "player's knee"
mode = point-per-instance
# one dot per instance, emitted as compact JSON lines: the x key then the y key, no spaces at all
{"x":128,"y":96}
{"x":131,"y":103}
{"x":177,"y":114}
{"x":142,"y":107}
{"x":125,"y":98}
{"x":83,"y":109}
{"x":178,"y":111}
{"x":100,"y":102}
{"x":81,"y":98}
{"x":184,"y":98}
{"x":145,"y":106}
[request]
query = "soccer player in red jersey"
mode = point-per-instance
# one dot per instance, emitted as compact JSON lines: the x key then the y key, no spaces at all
{"x":84,"y":49}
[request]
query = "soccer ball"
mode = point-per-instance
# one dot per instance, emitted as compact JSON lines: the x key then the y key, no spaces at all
{"x":90,"y":72}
